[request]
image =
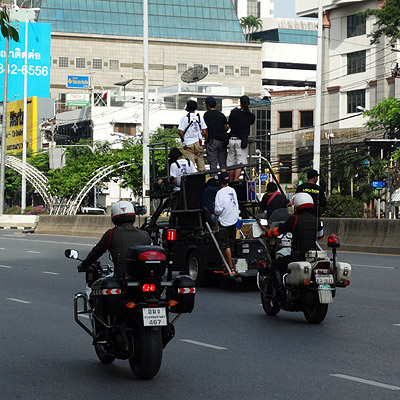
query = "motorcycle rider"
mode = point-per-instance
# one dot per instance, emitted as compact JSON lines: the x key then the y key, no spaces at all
{"x":304,"y":226}
{"x":118,"y":239}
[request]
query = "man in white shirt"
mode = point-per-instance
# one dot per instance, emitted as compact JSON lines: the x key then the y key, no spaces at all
{"x":193,"y":133}
{"x":227,"y":210}
{"x":178,"y":167}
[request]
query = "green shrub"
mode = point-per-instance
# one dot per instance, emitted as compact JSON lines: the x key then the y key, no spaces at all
{"x":340,"y":206}
{"x":13,"y":210}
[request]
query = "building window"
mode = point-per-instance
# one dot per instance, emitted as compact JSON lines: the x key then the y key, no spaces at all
{"x":244,"y":71}
{"x":182,"y":67}
{"x":63,"y":62}
{"x":355,"y":98}
{"x":114,"y":65}
{"x":285,"y":119}
{"x":80,"y":62}
{"x":356,"y":62}
{"x":229,"y":70}
{"x":126,"y":129}
{"x":306,"y":118}
{"x":285,"y":168}
{"x":213,"y":70}
{"x":198,"y":65}
{"x":356,"y":25}
{"x":97,"y":63}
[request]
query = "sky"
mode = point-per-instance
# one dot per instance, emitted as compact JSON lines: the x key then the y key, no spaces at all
{"x":284,"y":9}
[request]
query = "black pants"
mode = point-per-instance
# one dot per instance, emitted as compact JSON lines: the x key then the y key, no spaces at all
{"x":279,"y":268}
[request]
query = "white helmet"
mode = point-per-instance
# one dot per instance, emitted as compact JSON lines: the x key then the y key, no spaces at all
{"x":302,"y":200}
{"x":122,"y":211}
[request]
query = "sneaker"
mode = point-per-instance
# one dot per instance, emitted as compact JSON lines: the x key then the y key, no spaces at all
{"x":221,"y":271}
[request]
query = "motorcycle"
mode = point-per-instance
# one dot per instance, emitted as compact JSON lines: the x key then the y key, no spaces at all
{"x":130,"y":316}
{"x":310,"y":285}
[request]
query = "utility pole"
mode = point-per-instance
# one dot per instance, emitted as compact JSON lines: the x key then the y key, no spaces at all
{"x":318,"y":92}
{"x":146,"y":138}
{"x":4,"y":126}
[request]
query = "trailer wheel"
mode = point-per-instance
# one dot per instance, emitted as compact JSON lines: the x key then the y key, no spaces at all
{"x":195,"y":268}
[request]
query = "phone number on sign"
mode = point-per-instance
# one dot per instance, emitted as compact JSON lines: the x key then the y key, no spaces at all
{"x":32,"y":70}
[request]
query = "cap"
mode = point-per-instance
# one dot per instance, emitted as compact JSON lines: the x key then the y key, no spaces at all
{"x":244,"y":100}
{"x":191,"y":105}
{"x":223,"y":177}
{"x":312,"y":173}
{"x":210,"y":101}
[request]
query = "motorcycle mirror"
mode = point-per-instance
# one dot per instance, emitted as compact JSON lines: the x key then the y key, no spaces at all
{"x":70,"y":253}
{"x":140,"y":210}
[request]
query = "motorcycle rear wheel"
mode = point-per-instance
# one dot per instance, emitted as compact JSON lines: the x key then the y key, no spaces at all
{"x":314,"y":311}
{"x":146,"y":358}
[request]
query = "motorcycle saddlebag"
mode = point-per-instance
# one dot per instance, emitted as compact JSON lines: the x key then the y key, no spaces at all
{"x":183,"y":292}
{"x":298,"y":272}
{"x":106,"y":296}
{"x":343,"y":271}
{"x":145,"y":261}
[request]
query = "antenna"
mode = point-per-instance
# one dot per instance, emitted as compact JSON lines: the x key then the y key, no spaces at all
{"x":194,"y":74}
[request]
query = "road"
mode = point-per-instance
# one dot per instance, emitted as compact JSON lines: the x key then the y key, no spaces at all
{"x":227,"y":348}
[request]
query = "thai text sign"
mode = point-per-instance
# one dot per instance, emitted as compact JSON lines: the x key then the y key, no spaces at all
{"x":78,"y":100}
{"x":38,"y":65}
{"x":78,"y":82}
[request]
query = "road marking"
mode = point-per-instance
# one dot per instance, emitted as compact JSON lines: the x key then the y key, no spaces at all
{"x":2,"y":248}
{"x":5,"y":266}
{"x":5,"y":237}
{"x":396,"y":324}
{"x":367,"y":382}
{"x":50,"y":273}
{"x":18,"y":300}
{"x":211,"y":346}
{"x":34,"y":252}
{"x":372,"y":266}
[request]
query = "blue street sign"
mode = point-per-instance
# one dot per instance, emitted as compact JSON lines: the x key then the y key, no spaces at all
{"x":378,"y":184}
{"x":264,"y":177}
{"x":78,"y":82}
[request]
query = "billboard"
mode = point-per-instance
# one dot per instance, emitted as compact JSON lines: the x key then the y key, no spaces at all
{"x":38,"y":67}
{"x":78,"y":82}
{"x":39,"y":110}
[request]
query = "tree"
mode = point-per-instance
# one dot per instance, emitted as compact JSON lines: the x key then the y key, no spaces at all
{"x":385,"y":115}
{"x":6,"y":29}
{"x":388,"y":22}
{"x":250,"y":24}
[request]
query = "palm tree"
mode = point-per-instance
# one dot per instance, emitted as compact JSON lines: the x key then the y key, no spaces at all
{"x":250,"y":24}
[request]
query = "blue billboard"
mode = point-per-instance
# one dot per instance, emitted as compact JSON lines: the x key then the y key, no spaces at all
{"x":38,"y":67}
{"x":78,"y":82}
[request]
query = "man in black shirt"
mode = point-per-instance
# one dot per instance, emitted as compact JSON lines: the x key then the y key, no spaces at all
{"x":314,"y":191}
{"x":217,"y":125}
{"x":272,"y":200}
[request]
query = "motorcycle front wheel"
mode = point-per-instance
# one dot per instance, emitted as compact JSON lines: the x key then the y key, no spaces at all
{"x":314,"y":311}
{"x":146,"y":357}
{"x":269,"y":304}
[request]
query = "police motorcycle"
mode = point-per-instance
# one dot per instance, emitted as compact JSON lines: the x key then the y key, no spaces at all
{"x":310,"y":285}
{"x":130,"y":316}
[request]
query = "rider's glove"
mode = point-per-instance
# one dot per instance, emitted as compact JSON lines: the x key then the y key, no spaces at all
{"x":81,"y":268}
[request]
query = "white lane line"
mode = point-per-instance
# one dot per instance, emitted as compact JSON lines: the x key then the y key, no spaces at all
{"x":367,"y":382}
{"x":211,"y":346}
{"x":18,"y":300}
{"x":372,"y":266}
{"x":5,"y":237}
{"x":396,"y":324}
{"x":5,"y":266}
{"x":2,"y":248}
{"x":34,"y":252}
{"x":50,"y":273}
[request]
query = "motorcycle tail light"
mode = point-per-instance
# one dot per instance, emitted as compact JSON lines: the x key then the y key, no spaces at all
{"x":172,"y":303}
{"x":130,"y":305}
{"x":306,"y":282}
{"x":262,"y":264}
{"x":171,"y":235}
{"x":149,"y":287}
{"x":152,"y":256}
{"x":346,"y":282}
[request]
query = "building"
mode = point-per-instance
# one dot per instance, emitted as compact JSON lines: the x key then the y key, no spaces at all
{"x":257,"y":8}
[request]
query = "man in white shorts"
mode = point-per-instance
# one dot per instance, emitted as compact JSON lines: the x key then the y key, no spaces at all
{"x":240,"y":120}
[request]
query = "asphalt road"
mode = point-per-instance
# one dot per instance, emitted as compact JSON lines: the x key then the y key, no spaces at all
{"x":227,"y":348}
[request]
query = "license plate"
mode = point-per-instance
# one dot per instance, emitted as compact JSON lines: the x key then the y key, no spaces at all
{"x":320,"y":280}
{"x":156,"y":316}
